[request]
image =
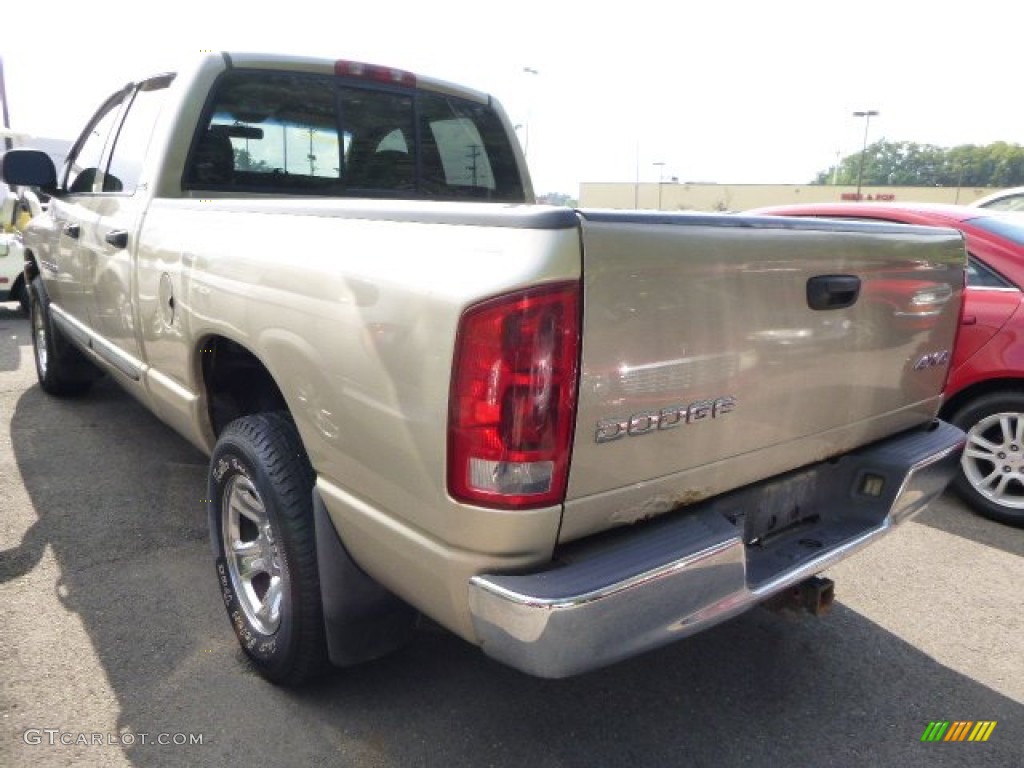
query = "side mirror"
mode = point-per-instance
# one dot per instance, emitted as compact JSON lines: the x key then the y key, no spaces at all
{"x":29,"y":168}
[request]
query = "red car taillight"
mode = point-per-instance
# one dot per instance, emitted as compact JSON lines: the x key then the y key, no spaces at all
{"x":513,"y":398}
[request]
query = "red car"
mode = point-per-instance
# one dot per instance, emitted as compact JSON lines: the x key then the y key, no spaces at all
{"x":985,"y":392}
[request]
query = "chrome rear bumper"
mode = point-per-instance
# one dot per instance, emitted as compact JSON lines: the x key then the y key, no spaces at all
{"x":646,"y":586}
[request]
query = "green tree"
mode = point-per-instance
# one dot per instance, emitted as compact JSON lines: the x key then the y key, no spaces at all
{"x":244,"y":162}
{"x":909,"y":164}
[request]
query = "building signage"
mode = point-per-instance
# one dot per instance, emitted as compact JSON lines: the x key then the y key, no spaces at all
{"x":880,"y":197}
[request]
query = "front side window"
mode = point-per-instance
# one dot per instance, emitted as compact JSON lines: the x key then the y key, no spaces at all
{"x":133,"y":137}
{"x":83,"y":165}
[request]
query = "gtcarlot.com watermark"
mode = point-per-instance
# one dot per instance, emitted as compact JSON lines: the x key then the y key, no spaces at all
{"x":57,"y":737}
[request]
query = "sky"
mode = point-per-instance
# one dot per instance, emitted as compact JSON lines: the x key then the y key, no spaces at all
{"x":735,"y":92}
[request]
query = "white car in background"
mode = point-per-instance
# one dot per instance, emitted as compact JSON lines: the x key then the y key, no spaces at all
{"x":1005,"y":200}
{"x":12,"y":280}
{"x":12,"y":260}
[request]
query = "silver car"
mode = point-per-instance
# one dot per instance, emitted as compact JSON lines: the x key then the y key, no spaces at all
{"x":1005,"y":200}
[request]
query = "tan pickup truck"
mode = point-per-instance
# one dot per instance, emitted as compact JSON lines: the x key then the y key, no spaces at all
{"x":566,"y":435}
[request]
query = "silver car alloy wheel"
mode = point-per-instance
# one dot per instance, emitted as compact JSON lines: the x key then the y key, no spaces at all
{"x":993,"y":459}
{"x":39,"y":340}
{"x":252,"y":555}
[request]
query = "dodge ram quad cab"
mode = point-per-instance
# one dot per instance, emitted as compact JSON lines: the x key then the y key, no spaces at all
{"x":568,"y":436}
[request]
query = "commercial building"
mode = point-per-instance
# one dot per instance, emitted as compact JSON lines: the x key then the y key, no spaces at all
{"x":674,"y":196}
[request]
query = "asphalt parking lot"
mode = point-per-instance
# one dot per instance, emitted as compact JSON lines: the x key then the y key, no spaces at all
{"x":114,"y":647}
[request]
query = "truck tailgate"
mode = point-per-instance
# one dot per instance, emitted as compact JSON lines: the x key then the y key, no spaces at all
{"x":722,"y":350}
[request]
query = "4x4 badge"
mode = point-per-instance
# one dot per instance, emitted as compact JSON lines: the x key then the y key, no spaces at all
{"x":932,"y":360}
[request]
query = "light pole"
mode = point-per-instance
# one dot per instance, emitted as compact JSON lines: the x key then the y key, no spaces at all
{"x":661,"y":167}
{"x":867,"y":115}
{"x":636,"y":185}
{"x":529,"y":110}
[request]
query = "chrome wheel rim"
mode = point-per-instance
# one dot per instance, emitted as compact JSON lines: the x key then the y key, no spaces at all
{"x":39,"y":340}
{"x":254,"y":562}
{"x":993,"y":460}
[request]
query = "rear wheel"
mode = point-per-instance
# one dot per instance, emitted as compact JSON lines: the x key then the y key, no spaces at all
{"x":61,"y":369}
{"x":991,"y":477}
{"x":261,"y":521}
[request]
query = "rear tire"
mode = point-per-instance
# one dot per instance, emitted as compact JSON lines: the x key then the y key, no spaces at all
{"x":991,"y":476}
{"x":261,"y":524}
{"x":62,"y":370}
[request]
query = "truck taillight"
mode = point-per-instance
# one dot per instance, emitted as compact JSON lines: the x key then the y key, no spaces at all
{"x":513,"y":398}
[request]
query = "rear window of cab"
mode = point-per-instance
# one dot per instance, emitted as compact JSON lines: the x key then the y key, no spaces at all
{"x":308,"y":134}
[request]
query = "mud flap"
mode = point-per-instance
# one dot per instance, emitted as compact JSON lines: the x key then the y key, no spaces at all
{"x":362,"y":620}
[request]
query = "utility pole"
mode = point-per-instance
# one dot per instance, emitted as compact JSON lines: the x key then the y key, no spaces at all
{"x":284,"y":145}
{"x":311,"y":157}
{"x":867,"y":115}
{"x":8,"y":144}
{"x":475,"y":151}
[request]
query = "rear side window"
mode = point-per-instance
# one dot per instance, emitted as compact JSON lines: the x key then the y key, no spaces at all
{"x":307,"y":134}
{"x":268,"y":132}
{"x":1008,"y":203}
{"x":980,"y":276}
